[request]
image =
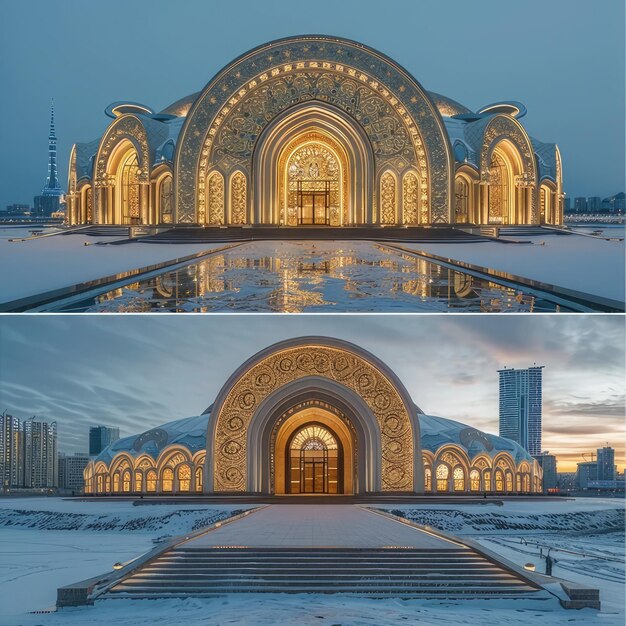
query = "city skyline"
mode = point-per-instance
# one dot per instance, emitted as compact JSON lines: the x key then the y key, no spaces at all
{"x":121,"y":375}
{"x":588,"y":130}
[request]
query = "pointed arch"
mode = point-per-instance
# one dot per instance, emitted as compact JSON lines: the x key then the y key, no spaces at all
{"x":238,"y":199}
{"x":388,"y":198}
{"x":215,"y":198}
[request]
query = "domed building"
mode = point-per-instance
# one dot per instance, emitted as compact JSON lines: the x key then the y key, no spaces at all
{"x":315,"y":130}
{"x":313,"y":415}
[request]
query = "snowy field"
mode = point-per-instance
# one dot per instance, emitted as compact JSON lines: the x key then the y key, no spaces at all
{"x":34,"y":561}
{"x":40,"y":265}
{"x":586,"y":536}
{"x":586,"y":264}
{"x":46,"y":543}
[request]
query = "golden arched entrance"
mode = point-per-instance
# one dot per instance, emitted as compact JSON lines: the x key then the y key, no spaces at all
{"x":313,"y":178}
{"x":313,"y":453}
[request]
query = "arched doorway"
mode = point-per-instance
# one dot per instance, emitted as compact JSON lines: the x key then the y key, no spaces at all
{"x":313,"y":451}
{"x":312,"y":178}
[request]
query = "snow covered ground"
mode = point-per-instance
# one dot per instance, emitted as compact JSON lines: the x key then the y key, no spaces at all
{"x":39,"y":265}
{"x":46,"y":543}
{"x":35,"y":561}
{"x":585,"y":264}
{"x":586,"y":537}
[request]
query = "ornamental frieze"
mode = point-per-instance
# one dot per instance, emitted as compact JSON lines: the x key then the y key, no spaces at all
{"x":289,"y":365}
{"x":397,"y":108}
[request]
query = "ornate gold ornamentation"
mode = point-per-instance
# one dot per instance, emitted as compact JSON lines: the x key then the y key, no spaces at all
{"x":385,"y":101}
{"x":286,"y":366}
{"x":410,"y":199}
{"x":388,"y":199}
{"x":504,"y":127}
{"x":238,"y":199}
{"x":215,"y":185}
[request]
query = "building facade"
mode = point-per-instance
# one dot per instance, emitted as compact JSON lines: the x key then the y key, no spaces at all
{"x":548,"y":464}
{"x":100,"y":437}
{"x":315,"y":130}
{"x":606,"y":463}
{"x":39,"y":445}
{"x":11,"y":462}
{"x":521,"y":406}
{"x":313,"y":415}
{"x":71,"y":471}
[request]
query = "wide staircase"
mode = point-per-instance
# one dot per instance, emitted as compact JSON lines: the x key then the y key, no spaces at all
{"x":457,"y":572}
{"x":193,"y":234}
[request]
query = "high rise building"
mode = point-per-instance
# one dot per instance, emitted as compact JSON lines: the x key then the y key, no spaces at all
{"x":51,"y":195}
{"x":520,"y":406}
{"x":39,"y":444}
{"x":606,"y":463}
{"x":594,"y":204}
{"x":100,"y":437}
{"x":11,"y":466}
{"x":586,"y":472}
{"x":547,"y":463}
{"x":71,"y":470}
{"x":567,"y":204}
{"x":580,"y":205}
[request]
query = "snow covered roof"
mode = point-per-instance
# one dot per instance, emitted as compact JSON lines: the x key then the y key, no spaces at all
{"x":190,"y":432}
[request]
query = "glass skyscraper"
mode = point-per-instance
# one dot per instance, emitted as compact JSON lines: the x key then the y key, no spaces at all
{"x":520,"y":406}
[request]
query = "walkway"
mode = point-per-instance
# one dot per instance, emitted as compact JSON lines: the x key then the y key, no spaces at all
{"x":331,"y":525}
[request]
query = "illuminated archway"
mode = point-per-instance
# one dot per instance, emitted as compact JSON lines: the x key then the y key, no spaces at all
{"x":349,"y":380}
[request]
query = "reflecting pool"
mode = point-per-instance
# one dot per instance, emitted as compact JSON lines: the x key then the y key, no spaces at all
{"x":313,"y":277}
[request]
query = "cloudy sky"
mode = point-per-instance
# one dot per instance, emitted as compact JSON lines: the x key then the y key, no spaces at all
{"x":563,"y":58}
{"x":137,"y":372}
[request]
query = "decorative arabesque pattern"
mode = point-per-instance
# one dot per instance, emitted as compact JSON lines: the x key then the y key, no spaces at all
{"x":410,"y":199}
{"x":215,"y":194}
{"x":388,"y":198}
{"x":291,"y":71}
{"x":499,"y":128}
{"x":238,"y":199}
{"x":286,"y":366}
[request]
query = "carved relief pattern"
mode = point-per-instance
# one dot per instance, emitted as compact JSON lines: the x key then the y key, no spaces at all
{"x":238,"y":199}
{"x":387,"y":199}
{"x":499,"y":128}
{"x":410,"y":201}
{"x":347,"y":74}
{"x":216,"y":198}
{"x":286,"y":366}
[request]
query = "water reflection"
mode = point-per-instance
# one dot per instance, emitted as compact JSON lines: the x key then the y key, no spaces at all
{"x":320,"y":276}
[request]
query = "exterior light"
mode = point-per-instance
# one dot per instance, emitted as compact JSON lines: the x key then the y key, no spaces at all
{"x":530,"y":567}
{"x":118,"y":565}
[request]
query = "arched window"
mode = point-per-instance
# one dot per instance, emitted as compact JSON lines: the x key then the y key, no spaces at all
{"x":138,"y":481}
{"x":499,"y":190}
{"x":428,"y":479}
{"x":410,"y":198}
{"x":215,"y":198}
{"x":100,"y":483}
{"x":130,"y":190}
{"x":442,"y":477}
{"x":116,"y":482}
{"x":167,"y":480}
{"x":238,"y":199}
{"x":461,"y":197}
{"x":151,"y":481}
{"x":526,"y":481}
{"x":487,"y":480}
{"x":199,"y":479}
{"x":499,"y":481}
{"x":475,"y":480}
{"x":184,"y":477}
{"x":459,"y":478}
{"x":126,"y":481}
{"x":518,"y":482}
{"x":107,"y":484}
{"x":166,"y":200}
{"x":509,"y":481}
{"x":388,"y":199}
